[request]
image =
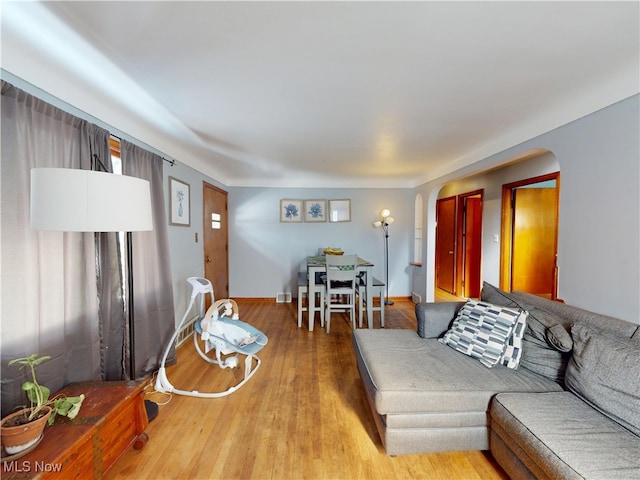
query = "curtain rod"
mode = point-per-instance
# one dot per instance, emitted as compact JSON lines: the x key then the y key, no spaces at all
{"x":170,"y":162}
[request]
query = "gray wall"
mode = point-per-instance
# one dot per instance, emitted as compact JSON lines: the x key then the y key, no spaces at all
{"x":265,"y":254}
{"x":186,"y":251}
{"x":599,"y":231}
{"x":599,"y":237}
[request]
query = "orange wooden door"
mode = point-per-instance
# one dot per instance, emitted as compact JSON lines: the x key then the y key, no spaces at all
{"x":216,"y":240}
{"x":535,"y":220}
{"x":446,"y":244}
{"x":472,"y":247}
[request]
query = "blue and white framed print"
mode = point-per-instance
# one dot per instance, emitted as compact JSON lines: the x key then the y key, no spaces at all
{"x":315,"y":210}
{"x":179,"y":203}
{"x":290,"y":211}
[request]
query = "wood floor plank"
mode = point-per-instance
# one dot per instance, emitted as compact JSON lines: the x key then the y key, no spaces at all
{"x":304,"y":414}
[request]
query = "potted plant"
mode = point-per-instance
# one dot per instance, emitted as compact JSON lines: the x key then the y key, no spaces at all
{"x":23,"y":429}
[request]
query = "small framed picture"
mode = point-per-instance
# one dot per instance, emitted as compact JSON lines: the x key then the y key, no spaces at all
{"x":290,"y":211}
{"x":315,"y":210}
{"x":179,"y":203}
{"x":340,"y":210}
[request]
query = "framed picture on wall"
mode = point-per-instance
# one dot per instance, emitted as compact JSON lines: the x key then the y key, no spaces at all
{"x":315,"y":210}
{"x":179,"y":203}
{"x":290,"y":210}
{"x":340,"y":210}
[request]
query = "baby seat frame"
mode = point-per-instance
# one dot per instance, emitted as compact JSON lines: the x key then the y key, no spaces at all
{"x":221,"y":330}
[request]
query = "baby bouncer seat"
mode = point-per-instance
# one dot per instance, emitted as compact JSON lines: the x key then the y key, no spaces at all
{"x":221,"y":330}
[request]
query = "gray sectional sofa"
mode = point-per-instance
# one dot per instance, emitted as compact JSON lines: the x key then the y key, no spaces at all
{"x":569,"y":409}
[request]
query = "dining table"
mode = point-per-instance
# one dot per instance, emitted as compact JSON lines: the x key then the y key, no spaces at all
{"x":316,"y":266}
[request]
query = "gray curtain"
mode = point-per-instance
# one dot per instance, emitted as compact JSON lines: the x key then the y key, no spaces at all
{"x":152,"y":285}
{"x":111,"y":308}
{"x":48,"y":279}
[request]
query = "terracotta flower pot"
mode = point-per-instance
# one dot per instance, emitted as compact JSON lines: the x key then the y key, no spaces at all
{"x":20,"y":437}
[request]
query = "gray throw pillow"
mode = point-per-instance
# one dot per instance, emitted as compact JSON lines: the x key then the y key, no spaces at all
{"x":493,"y":294}
{"x":559,"y":338}
{"x":539,"y":355}
{"x":604,"y":372}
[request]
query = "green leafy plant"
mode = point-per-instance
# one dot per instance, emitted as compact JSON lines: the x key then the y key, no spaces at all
{"x":38,"y":394}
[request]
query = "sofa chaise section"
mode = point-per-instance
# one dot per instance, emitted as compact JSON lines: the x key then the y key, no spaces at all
{"x":557,"y":435}
{"x":426,"y":397}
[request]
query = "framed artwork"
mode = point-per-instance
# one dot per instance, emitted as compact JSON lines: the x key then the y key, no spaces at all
{"x":179,"y":203}
{"x":290,"y":210}
{"x":339,"y":210}
{"x":315,"y":210}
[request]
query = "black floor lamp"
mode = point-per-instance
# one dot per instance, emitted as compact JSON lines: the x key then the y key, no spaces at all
{"x":384,"y":222}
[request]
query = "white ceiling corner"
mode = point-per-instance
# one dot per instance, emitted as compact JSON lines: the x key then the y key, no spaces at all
{"x":354,"y":94}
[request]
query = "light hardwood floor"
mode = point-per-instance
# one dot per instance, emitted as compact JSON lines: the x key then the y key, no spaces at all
{"x":302,"y":416}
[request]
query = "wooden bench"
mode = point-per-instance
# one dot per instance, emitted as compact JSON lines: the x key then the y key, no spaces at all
{"x":112,"y":419}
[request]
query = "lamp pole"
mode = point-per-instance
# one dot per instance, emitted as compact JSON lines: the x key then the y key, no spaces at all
{"x":385,"y":229}
{"x":384,"y":223}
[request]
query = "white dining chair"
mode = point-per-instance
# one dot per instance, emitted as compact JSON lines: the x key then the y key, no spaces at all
{"x":303,"y":293}
{"x":340,"y":286}
{"x":377,"y":291}
{"x":303,"y":306}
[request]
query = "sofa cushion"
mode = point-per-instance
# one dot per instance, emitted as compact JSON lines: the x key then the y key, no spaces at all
{"x":605,"y":372}
{"x":569,"y":315}
{"x":556,"y":435}
{"x":492,"y":294}
{"x":559,"y":338}
{"x":538,"y":355}
{"x":481,"y":330}
{"x":411,"y":374}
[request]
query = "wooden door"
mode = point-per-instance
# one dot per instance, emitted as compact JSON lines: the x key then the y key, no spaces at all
{"x":216,"y":240}
{"x":446,"y":244}
{"x":534,"y":240}
{"x":471,"y":246}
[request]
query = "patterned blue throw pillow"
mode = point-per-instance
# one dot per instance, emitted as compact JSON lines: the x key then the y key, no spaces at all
{"x":513,"y":349}
{"x":482,"y":330}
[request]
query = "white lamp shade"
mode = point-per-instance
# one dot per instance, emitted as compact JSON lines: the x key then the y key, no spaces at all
{"x":70,"y":200}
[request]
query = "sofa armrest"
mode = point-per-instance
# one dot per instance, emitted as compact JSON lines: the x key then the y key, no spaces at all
{"x":434,"y":318}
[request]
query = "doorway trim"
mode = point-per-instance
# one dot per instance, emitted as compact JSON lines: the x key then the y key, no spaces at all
{"x":220,"y":279}
{"x":506,"y":245}
{"x":466,"y":287}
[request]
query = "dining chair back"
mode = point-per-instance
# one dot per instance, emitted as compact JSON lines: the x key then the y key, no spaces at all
{"x":340,"y":284}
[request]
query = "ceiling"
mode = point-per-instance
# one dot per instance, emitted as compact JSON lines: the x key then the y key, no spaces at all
{"x":358,"y":94}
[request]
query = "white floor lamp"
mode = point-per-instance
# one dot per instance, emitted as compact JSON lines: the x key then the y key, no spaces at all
{"x":384,"y":222}
{"x":71,"y":200}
